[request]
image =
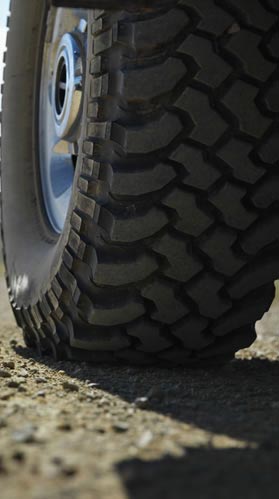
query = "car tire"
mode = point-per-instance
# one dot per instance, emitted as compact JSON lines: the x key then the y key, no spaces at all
{"x":169,"y":251}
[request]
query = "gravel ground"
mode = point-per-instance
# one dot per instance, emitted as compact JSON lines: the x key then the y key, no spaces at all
{"x":71,"y":430}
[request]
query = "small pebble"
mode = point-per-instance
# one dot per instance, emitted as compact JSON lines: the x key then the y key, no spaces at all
{"x":40,"y":380}
{"x":20,"y":379}
{"x":9,"y":363}
{"x":25,"y":435}
{"x":33,"y":370}
{"x":82,"y":397}
{"x":18,"y":455}
{"x":13,"y":384}
{"x":91,"y":396}
{"x":41,"y":393}
{"x":69,"y":386}
{"x":69,"y":470}
{"x":100,"y":429}
{"x":145,"y":439}
{"x":22,"y":389}
{"x":6,"y":395}
{"x":130,"y":411}
{"x":34,"y":469}
{"x":2,"y":465}
{"x":120,"y":427}
{"x":103,"y":401}
{"x":3,"y":423}
{"x":5,"y":374}
{"x":23,"y":373}
{"x":57,"y":460}
{"x":64,"y":426}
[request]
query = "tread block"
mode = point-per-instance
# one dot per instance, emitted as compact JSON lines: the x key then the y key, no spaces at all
{"x":228,"y":200}
{"x":205,"y":292}
{"x":164,"y":79}
{"x":240,"y":100}
{"x":255,"y":277}
{"x":67,"y":259}
{"x":99,"y":86}
{"x":213,"y":70}
{"x":36,"y":316}
{"x":208,"y":124}
{"x":52,"y":300}
{"x":74,"y":241}
{"x":68,"y":279}
{"x":245,"y":46}
{"x":218,"y":246}
{"x":112,"y":314}
{"x":191,"y":219}
{"x":150,"y":34}
{"x":90,"y":168}
{"x":253,"y":13}
{"x":150,"y":336}
{"x":154,"y":135}
{"x":269,"y":151}
{"x":135,"y":182}
{"x":235,"y":153}
{"x":88,"y":206}
{"x":199,"y":173}
{"x":56,"y":288}
{"x":273,"y":46}
{"x":262,"y":234}
{"x":228,"y":345}
{"x":192,"y":331}
{"x":213,"y":19}
{"x":266,"y":193}
{"x":76,"y":221}
{"x":103,"y":41}
{"x":98,"y":190}
{"x":115,"y":271}
{"x":272,"y":97}
{"x":168,"y":308}
{"x":182,"y":264}
{"x":134,"y":225}
{"x":273,"y":4}
{"x":244,"y":313}
{"x":108,"y":340}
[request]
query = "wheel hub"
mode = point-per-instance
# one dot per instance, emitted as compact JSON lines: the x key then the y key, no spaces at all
{"x":67,"y":85}
{"x":60,"y":110}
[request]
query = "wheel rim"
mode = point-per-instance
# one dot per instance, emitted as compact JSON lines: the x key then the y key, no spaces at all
{"x":60,"y":110}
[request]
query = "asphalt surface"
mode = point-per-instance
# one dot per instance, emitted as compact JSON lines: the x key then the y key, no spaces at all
{"x":78,"y":431}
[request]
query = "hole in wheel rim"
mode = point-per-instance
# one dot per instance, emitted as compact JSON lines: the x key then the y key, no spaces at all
{"x":61,"y":86}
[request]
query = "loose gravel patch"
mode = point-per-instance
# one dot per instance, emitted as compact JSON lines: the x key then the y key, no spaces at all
{"x":81,"y":431}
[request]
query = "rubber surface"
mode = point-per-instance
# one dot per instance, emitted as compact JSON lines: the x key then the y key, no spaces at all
{"x":105,"y":4}
{"x":173,"y":247}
